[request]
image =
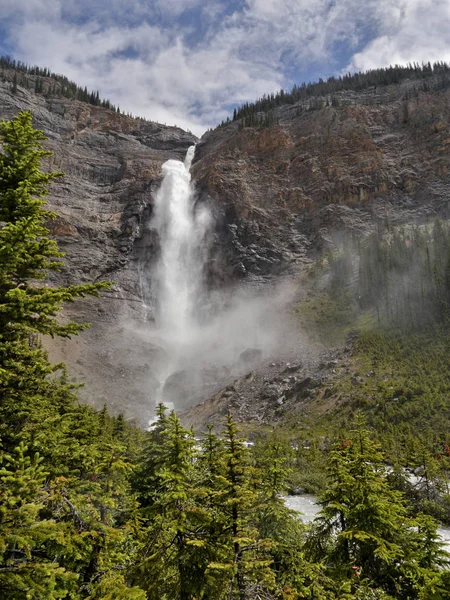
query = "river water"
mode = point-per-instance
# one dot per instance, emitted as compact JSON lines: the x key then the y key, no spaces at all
{"x":306,"y":504}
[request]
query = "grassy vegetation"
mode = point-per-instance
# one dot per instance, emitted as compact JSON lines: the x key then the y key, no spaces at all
{"x":327,"y":320}
{"x":400,"y":382}
{"x":394,"y":370}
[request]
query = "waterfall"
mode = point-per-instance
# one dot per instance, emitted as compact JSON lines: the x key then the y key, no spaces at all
{"x":200,"y":339}
{"x":178,"y":277}
{"x":179,"y":272}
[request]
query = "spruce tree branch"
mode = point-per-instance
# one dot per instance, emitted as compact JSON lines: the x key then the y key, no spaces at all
{"x":78,"y":521}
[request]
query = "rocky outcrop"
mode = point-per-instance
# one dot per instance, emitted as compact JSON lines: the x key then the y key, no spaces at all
{"x":279,"y":195}
{"x":281,"y":191}
{"x":264,"y":396}
{"x":112,"y":165}
{"x":284,"y":193}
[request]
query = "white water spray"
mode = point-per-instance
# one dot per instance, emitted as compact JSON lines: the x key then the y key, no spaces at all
{"x":179,"y":273}
{"x":199,"y":337}
{"x":178,"y":278}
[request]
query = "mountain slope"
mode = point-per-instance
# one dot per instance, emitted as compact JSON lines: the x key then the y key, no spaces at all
{"x":112,"y":165}
{"x":379,"y":153}
{"x":280,"y":193}
{"x":287,"y":192}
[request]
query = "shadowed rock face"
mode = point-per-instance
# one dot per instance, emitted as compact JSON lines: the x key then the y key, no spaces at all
{"x":112,"y":166}
{"x":279,"y":196}
{"x":281,"y":191}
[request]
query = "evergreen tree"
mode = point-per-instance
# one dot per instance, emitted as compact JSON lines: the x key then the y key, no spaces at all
{"x":25,"y":570}
{"x":64,"y":515}
{"x":14,"y":84}
{"x":172,"y":543}
{"x":146,"y":478}
{"x":283,"y":527}
{"x":364,"y":526}
{"x":27,"y":306}
{"x":244,"y":565}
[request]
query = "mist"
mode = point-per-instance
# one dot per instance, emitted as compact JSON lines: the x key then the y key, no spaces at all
{"x":396,"y":276}
{"x":200,"y":339}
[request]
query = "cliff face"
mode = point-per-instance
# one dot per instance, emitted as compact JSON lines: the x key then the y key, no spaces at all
{"x":284,"y":193}
{"x":282,"y":190}
{"x":279,"y":194}
{"x":112,"y":166}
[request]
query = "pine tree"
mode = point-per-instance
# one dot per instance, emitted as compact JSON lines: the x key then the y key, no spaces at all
{"x":28,"y":307}
{"x":282,"y":526}
{"x":174,"y":561}
{"x":364,"y":526}
{"x":244,"y":565}
{"x":64,"y":528}
{"x":14,"y":84}
{"x":25,"y":570}
{"x":146,"y":479}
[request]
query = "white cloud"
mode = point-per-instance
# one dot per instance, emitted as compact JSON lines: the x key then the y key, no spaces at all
{"x":411,"y":31}
{"x":139,"y":54}
{"x":27,"y":9}
{"x":175,"y":8}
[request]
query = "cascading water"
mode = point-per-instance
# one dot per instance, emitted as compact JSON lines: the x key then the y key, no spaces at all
{"x":200,"y":340}
{"x":179,"y":273}
{"x":178,"y":278}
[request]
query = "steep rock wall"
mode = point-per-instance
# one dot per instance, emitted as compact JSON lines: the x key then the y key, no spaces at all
{"x":112,"y":165}
{"x":282,"y":191}
{"x":279,"y":195}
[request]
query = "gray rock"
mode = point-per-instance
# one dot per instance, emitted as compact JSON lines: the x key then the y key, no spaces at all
{"x":291,"y":368}
{"x":112,"y":167}
{"x":250,"y":355}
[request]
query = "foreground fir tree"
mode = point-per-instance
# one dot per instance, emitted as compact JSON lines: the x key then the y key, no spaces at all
{"x":173,"y":540}
{"x":243,"y":565}
{"x":28,"y":306}
{"x":65,"y":529}
{"x":365,"y":533}
{"x":23,"y":531}
{"x":201,"y":539}
{"x":295,"y":575}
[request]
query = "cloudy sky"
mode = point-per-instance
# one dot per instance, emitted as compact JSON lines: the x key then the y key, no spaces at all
{"x":189,"y":62}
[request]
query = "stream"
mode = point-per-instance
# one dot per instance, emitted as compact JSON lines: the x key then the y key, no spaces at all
{"x":306,"y":505}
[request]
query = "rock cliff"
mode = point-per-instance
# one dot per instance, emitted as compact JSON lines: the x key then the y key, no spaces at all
{"x":279,"y":194}
{"x":112,"y":165}
{"x":282,"y":191}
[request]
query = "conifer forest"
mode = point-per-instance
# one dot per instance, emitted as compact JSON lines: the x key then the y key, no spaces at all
{"x":94,"y":507}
